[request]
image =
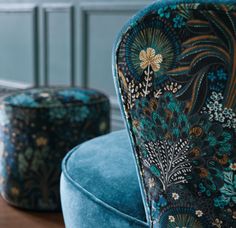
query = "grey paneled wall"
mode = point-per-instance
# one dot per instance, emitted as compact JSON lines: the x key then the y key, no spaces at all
{"x":19,"y":44}
{"x":59,"y":57}
{"x":56,"y":42}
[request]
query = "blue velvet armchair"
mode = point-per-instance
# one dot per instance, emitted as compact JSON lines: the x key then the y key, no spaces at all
{"x":175,"y":163}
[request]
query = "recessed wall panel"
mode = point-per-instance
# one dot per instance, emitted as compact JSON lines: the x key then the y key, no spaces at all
{"x":102,"y":31}
{"x":58,"y":46}
{"x":17,"y":52}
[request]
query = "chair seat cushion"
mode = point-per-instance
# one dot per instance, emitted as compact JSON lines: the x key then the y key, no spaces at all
{"x":99,"y":185}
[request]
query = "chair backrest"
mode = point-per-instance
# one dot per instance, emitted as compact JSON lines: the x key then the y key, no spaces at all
{"x":175,"y":72}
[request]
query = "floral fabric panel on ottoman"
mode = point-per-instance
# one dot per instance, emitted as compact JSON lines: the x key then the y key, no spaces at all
{"x":175,"y":69}
{"x":37,"y":128}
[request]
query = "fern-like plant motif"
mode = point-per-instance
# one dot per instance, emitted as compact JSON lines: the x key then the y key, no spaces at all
{"x":168,"y":162}
{"x":147,"y":84}
{"x":132,"y":93}
{"x":132,"y":90}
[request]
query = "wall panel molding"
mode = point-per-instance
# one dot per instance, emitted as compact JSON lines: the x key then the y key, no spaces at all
{"x":17,"y":8}
{"x":102,"y":6}
{"x":32,"y":9}
{"x":49,"y":9}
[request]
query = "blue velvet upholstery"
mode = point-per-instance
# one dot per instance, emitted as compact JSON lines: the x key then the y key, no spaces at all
{"x":99,"y":186}
{"x":37,"y":128}
{"x":175,"y":73}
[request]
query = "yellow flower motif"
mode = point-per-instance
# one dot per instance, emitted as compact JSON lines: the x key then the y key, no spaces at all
{"x":149,"y":58}
{"x":41,"y":141}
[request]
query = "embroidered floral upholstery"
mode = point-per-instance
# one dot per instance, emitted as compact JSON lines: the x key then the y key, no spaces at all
{"x":175,"y":70}
{"x":37,"y":128}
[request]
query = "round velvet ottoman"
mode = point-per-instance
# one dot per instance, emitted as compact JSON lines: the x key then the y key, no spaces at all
{"x":37,"y":128}
{"x":99,"y":185}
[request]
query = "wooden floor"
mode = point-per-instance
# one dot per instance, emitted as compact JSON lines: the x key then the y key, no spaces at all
{"x":11,"y":217}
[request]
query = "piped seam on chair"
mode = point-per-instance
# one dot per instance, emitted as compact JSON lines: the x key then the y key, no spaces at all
{"x":93,"y":197}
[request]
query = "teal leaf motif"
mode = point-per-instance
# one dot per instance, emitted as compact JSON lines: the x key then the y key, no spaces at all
{"x":234,"y":199}
{"x":228,"y":190}
{"x":155,"y":170}
{"x":228,"y":177}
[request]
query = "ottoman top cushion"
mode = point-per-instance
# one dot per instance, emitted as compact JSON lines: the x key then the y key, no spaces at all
{"x":46,"y":97}
{"x":103,"y":169}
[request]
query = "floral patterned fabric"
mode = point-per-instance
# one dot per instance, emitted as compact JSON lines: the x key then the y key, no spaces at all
{"x":175,"y":68}
{"x":37,"y":128}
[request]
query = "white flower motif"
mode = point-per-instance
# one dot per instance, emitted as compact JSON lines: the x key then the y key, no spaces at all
{"x":171,"y":218}
{"x":228,"y":113}
{"x":217,"y":96}
{"x":215,"y":110}
{"x":151,"y":182}
{"x":199,"y":213}
{"x":221,"y":117}
{"x":217,"y":223}
{"x":211,"y":117}
{"x":44,"y":95}
{"x":175,"y":196}
{"x":233,"y":166}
